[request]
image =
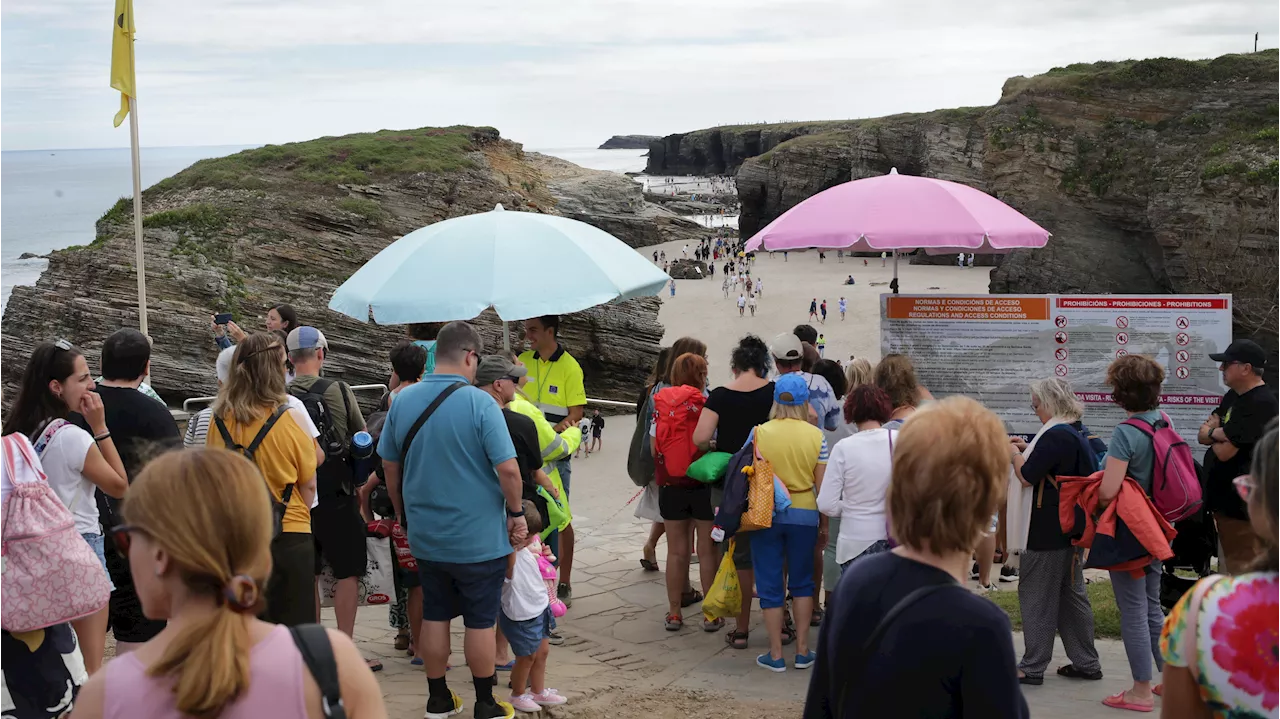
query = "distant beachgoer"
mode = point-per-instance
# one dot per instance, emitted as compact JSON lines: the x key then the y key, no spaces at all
{"x":655,"y":257}
{"x":751,"y":302}
{"x":822,"y":346}
{"x":960,"y":260}
{"x":673,"y":288}
{"x":849,"y":280}
{"x":759,"y":286}
{"x":883,"y":255}
{"x":685,"y":252}
{"x":813,"y":308}
{"x":864,"y":262}
{"x":725,"y":285}
{"x":822,"y":257}
{"x":971,"y":257}
{"x":844,"y":305}
{"x":742,"y":304}
{"x":823,"y":307}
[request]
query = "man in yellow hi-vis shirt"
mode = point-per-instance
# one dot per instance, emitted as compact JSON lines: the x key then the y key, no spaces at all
{"x":555,"y":386}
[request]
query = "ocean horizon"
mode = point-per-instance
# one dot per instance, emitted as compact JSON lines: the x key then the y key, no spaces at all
{"x":50,"y":199}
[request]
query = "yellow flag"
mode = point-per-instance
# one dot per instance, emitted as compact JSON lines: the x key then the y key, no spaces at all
{"x":122,"y":56}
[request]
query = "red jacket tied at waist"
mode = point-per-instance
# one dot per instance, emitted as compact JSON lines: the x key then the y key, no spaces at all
{"x":1131,"y":506}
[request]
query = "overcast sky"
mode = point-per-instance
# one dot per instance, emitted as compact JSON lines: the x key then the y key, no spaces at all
{"x":558,"y":73}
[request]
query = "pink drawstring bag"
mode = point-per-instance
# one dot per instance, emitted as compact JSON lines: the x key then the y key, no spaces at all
{"x":48,"y":573}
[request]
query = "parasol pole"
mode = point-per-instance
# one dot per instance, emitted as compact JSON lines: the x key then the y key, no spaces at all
{"x":894,"y":284}
{"x":506,"y":338}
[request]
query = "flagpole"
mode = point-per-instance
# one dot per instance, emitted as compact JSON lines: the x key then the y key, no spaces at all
{"x":140,"y":256}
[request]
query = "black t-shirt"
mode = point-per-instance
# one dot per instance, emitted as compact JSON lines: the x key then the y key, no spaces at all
{"x":597,"y":423}
{"x":140,"y":427}
{"x":524,"y":435}
{"x":739,"y":413}
{"x":1062,"y":451}
{"x":949,"y":654}
{"x":1244,"y":418}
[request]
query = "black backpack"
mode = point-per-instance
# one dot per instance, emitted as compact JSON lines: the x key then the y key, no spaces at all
{"x":317,"y":653}
{"x":277,"y":507}
{"x":336,"y":476}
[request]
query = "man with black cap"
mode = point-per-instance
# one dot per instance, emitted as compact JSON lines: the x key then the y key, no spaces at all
{"x":1231,"y":432}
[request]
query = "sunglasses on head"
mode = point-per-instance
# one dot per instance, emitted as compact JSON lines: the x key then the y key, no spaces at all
{"x":120,"y":537}
{"x":64,"y":345}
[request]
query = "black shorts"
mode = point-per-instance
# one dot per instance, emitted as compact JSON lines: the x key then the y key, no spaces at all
{"x":291,"y":590}
{"x":339,"y":533}
{"x":596,"y":433}
{"x":677,"y":503}
{"x":472,"y":591}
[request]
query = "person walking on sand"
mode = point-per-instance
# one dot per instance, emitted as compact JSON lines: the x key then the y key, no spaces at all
{"x":742,"y":304}
{"x":883,"y":256}
{"x":844,"y":305}
{"x":751,"y":302}
{"x":759,"y":286}
{"x":822,"y":346}
{"x":823,"y":307}
{"x":813,"y":309}
{"x":673,"y":288}
{"x":725,"y":286}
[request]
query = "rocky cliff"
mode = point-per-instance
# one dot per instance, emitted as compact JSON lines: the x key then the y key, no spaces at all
{"x":1153,"y":176}
{"x":628,"y":142}
{"x":288,"y":223}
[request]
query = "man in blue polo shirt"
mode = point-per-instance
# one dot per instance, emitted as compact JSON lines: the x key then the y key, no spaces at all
{"x":456,"y":488}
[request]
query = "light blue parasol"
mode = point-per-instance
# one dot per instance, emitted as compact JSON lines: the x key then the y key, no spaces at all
{"x":521,"y":264}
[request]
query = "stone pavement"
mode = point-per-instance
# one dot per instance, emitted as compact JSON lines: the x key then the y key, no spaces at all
{"x":616,"y":643}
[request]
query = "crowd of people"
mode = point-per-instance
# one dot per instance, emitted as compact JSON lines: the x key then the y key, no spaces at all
{"x":894,"y":521}
{"x":210,"y":585}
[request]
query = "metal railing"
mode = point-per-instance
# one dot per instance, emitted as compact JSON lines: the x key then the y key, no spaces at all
{"x":187,"y":404}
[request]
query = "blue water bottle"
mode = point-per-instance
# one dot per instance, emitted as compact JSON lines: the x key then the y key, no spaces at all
{"x":362,"y":456}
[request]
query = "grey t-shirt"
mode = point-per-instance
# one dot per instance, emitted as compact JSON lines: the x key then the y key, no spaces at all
{"x":1133,"y":446}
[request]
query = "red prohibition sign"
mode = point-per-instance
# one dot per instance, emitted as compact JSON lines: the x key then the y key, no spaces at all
{"x":1060,"y":370}
{"x":1122,"y":322}
{"x":1182,"y":372}
{"x":1060,"y":320}
{"x":1060,"y":338}
{"x":1183,"y":339}
{"x":1183,"y":323}
{"x":1183,"y":355}
{"x":1060,"y":353}
{"x":1122,"y":338}
{"x":1121,"y":352}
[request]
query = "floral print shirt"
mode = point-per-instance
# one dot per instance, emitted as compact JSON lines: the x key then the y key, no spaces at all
{"x":1236,"y":644}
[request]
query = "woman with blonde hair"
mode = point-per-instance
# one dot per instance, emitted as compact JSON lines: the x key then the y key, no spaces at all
{"x":197,"y":533}
{"x":904,"y":637}
{"x":784,"y":553}
{"x":1051,"y":590}
{"x":252,"y":416}
{"x":858,"y":372}
{"x":897,"y":377}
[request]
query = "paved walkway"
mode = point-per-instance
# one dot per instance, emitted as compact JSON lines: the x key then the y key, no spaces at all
{"x":619,"y":662}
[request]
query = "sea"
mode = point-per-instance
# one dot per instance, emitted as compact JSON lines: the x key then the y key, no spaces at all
{"x":50,"y":199}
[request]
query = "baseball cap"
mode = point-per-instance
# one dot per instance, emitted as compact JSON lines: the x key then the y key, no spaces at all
{"x":306,"y":338}
{"x":494,"y":367}
{"x":1244,"y":351}
{"x":223,"y":365}
{"x":790,"y":389}
{"x":786,"y":346}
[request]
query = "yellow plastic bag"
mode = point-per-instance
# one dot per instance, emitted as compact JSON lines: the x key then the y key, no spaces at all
{"x":725,"y":597}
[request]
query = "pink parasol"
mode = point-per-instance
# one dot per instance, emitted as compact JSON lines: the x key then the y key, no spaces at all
{"x":901,"y":213}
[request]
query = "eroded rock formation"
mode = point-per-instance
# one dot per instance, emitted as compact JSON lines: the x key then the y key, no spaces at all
{"x":289,"y":223}
{"x":1153,"y":176}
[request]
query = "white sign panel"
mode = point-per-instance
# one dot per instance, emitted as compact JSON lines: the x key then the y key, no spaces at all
{"x":991,"y":347}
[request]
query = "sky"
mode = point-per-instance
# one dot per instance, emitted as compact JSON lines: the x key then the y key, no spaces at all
{"x":557,"y":73}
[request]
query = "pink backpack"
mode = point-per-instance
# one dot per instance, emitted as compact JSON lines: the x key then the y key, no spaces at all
{"x":50,"y":574}
{"x":1175,"y":486}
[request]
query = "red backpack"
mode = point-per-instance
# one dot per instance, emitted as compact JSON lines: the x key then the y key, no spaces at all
{"x":1175,"y":486}
{"x":676,"y":411}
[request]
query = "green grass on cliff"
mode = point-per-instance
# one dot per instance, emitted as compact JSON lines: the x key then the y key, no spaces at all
{"x":350,"y":159}
{"x":1160,"y":72}
{"x":200,"y":217}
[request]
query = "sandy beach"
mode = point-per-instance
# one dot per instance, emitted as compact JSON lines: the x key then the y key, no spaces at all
{"x":701,"y":310}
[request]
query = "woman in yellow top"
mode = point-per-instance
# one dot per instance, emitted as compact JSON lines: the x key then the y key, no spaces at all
{"x":784,"y":553}
{"x":286,"y":455}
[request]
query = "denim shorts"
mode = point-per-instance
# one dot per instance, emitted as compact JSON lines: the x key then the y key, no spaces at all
{"x":526,"y":637}
{"x":99,"y":544}
{"x":472,"y":591}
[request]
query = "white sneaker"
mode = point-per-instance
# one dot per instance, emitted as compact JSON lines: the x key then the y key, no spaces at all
{"x":549,"y":698}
